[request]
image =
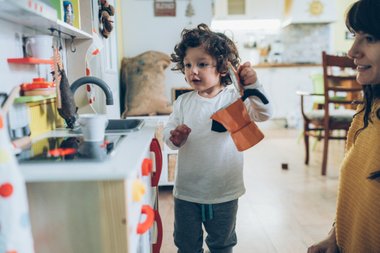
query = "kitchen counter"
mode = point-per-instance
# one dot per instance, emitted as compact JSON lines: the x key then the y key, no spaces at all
{"x":127,"y":155}
{"x":281,"y":82}
{"x":286,"y":65}
{"x":94,"y":206}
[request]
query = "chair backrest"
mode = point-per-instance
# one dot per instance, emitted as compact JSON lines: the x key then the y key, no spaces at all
{"x":317,"y":80}
{"x":339,"y":75}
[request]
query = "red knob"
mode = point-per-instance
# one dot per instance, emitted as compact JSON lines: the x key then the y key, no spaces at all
{"x":155,"y":147}
{"x":6,"y":190}
{"x":143,"y":227}
{"x":146,"y":167}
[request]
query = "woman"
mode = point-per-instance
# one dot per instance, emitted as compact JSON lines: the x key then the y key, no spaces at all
{"x":357,"y":227}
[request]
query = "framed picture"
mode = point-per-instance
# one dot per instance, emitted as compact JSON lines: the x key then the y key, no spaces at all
{"x":164,"y":8}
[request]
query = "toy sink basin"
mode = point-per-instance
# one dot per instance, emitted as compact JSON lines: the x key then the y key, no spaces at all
{"x":124,"y":125}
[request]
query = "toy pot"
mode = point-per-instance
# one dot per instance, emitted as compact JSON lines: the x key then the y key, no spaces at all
{"x":235,"y":119}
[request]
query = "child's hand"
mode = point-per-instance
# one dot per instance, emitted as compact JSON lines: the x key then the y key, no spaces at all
{"x":247,"y":74}
{"x":179,"y":135}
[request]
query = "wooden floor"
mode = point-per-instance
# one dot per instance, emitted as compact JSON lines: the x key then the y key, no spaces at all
{"x":283,"y":211}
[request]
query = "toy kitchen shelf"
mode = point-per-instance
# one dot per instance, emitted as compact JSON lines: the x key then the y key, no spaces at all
{"x":29,"y":60}
{"x":38,"y":15}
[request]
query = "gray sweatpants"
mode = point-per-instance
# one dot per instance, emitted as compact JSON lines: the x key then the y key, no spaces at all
{"x":219,"y":221}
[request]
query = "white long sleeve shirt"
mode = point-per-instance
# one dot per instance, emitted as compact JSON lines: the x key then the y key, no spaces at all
{"x":209,"y":166}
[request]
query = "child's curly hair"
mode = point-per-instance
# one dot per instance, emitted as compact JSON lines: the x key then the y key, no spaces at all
{"x":218,"y":45}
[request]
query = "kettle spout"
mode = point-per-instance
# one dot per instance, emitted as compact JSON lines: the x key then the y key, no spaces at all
{"x":97,"y":81}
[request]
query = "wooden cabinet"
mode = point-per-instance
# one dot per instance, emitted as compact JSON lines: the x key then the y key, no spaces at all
{"x":84,"y":216}
{"x":98,"y":216}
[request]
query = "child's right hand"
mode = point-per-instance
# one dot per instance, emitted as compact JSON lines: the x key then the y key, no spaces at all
{"x":247,"y":74}
{"x":179,"y":135}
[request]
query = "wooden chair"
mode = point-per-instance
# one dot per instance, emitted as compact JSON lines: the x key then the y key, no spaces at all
{"x":318,"y":87}
{"x":337,"y":113}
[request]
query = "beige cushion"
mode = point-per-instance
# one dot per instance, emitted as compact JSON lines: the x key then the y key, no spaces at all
{"x":143,"y":80}
{"x":338,"y":115}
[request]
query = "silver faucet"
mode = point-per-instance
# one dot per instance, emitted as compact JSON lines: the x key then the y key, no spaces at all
{"x":97,"y":81}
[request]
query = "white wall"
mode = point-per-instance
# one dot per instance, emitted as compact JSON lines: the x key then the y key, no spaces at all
{"x":340,"y":43}
{"x":142,"y":31}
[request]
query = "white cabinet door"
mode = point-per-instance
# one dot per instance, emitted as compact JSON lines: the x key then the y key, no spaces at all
{"x":221,"y":9}
{"x":313,"y":11}
{"x":254,"y":9}
{"x":106,"y":68}
{"x":269,"y":9}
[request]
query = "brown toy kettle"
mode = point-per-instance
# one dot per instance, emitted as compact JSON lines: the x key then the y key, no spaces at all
{"x":236,"y":120}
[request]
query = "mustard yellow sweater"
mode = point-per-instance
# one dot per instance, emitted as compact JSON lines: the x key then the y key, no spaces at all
{"x":358,"y":207}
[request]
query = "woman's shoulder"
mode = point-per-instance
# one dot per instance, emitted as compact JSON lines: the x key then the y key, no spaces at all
{"x":376,"y":112}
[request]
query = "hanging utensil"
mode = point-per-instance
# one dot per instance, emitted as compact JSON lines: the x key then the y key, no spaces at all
{"x":235,"y":79}
{"x":65,"y":98}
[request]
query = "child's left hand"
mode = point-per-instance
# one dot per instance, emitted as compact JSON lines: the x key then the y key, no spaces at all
{"x":178,"y":136}
{"x":247,"y":74}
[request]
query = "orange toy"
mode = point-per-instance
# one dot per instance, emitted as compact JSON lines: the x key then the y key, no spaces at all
{"x":236,"y":120}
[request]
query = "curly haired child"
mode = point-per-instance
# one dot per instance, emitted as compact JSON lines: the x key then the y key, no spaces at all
{"x":209,"y":177}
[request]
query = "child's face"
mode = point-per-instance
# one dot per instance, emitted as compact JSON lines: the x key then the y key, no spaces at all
{"x":201,"y":73}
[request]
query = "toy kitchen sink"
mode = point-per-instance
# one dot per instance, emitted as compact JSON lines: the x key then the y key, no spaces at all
{"x":124,"y":125}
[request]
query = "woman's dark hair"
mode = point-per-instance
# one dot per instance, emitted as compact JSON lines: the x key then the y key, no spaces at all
{"x":364,"y":16}
{"x":218,"y":45}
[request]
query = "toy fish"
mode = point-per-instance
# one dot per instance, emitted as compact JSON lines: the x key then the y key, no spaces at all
{"x":65,"y":98}
{"x":68,"y":109}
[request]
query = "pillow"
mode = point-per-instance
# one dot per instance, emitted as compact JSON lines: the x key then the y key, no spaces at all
{"x":143,"y":85}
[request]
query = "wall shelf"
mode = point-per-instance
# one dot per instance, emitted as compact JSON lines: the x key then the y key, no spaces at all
{"x":37,"y":15}
{"x":30,"y":99}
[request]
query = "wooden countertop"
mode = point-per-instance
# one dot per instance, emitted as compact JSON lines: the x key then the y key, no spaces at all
{"x":286,"y":65}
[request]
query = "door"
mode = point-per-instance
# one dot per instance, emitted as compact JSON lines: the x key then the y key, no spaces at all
{"x":106,"y":66}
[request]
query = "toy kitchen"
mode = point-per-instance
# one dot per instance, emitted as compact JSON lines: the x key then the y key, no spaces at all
{"x":83,"y":196}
